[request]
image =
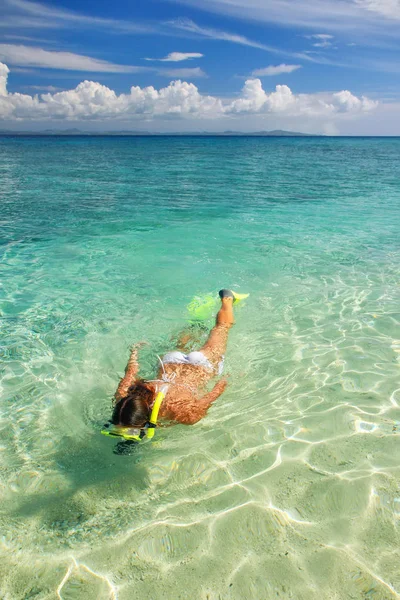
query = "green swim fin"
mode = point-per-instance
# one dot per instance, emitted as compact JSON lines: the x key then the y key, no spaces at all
{"x":202,"y":308}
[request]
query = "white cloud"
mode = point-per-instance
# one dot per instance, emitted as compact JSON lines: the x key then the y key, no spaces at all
{"x":179,"y":100}
{"x":275,"y":70}
{"x":349,"y":103}
{"x":216,"y":34}
{"x":387,"y":8}
{"x":178,"y":56}
{"x":315,"y":57}
{"x":347,"y":16}
{"x":31,"y":56}
{"x":320,"y":36}
{"x":19,"y":22}
{"x":4,"y":71}
{"x":282,"y":101}
{"x":21,"y":13}
{"x":338,"y":15}
{"x":324,"y":40}
{"x":194,"y":73}
{"x":189,"y":26}
{"x":27,"y":38}
{"x":27,"y":70}
{"x":330,"y":129}
{"x":44,"y":88}
{"x":91,"y":100}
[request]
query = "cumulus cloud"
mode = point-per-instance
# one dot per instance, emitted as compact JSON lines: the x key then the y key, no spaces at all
{"x":275,"y":70}
{"x":178,"y":56}
{"x":4,"y":71}
{"x":32,"y":56}
{"x":254,"y":99}
{"x":346,"y":102}
{"x":92,"y":101}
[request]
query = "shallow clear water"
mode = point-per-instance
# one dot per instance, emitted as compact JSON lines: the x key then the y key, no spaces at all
{"x":289,"y":488}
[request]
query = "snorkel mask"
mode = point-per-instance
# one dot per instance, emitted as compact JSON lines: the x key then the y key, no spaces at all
{"x":136,"y":434}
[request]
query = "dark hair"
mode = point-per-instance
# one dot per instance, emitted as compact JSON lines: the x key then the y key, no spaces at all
{"x":133,"y":410}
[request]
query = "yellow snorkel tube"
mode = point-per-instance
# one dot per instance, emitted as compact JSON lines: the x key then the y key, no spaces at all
{"x":133,"y":433}
{"x":152,"y":423}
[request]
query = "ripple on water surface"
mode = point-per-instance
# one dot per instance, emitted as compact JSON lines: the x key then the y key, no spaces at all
{"x":289,"y":487}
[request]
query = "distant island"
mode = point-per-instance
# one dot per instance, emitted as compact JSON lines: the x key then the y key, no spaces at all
{"x":275,"y":133}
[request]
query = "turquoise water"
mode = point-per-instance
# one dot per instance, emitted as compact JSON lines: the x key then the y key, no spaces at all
{"x":289,"y":488}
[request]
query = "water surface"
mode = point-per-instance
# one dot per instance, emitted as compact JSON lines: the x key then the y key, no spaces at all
{"x":289,"y":488}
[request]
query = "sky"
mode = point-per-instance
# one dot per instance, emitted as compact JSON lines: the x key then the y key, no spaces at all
{"x":315,"y":66}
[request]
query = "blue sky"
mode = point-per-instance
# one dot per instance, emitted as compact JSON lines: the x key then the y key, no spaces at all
{"x":322,"y":66}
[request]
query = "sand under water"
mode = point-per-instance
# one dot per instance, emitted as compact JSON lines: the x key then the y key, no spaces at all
{"x":289,"y":488}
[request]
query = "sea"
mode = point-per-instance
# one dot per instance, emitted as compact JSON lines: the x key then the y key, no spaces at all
{"x":289,"y":488}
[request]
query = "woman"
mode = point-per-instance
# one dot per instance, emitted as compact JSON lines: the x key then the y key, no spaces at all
{"x":180,"y":384}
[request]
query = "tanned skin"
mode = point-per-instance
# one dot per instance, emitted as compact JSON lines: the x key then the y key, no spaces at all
{"x":185,"y":401}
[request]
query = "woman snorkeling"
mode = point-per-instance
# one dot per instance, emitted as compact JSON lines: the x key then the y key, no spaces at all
{"x":177,"y":395}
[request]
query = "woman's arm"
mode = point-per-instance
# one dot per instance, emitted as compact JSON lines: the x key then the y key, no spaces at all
{"x":131,"y":371}
{"x":196,"y":410}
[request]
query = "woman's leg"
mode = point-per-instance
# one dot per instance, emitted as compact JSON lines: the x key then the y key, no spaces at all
{"x":214,"y":348}
{"x":190,"y":337}
{"x":183,"y":340}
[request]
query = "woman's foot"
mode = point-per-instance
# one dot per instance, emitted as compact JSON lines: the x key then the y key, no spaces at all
{"x":230,"y":294}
